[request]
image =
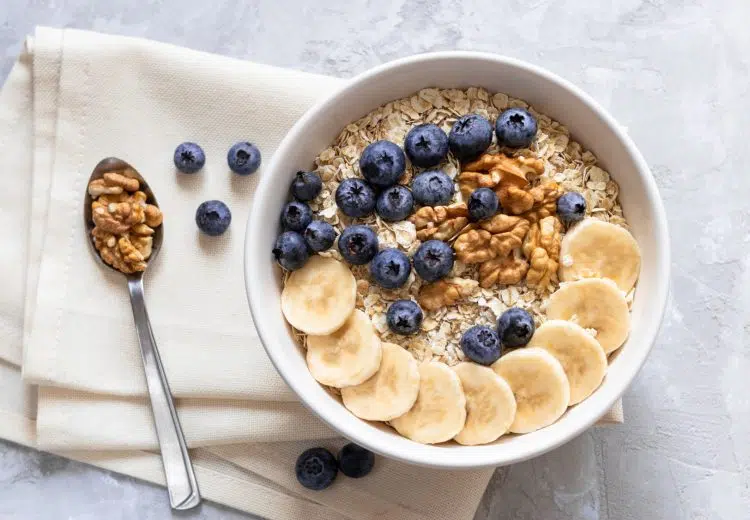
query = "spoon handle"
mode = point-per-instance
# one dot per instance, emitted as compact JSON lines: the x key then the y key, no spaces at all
{"x":178,"y":470}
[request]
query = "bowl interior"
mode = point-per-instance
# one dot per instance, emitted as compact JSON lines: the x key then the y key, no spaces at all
{"x":550,"y":95}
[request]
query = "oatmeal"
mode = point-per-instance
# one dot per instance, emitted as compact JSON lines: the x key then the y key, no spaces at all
{"x":552,"y":158}
{"x":476,"y":295}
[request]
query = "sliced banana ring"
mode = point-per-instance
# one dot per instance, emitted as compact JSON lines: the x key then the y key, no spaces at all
{"x":319,"y":297}
{"x":593,"y":303}
{"x":490,"y":405}
{"x":597,"y":249}
{"x":347,"y":357}
{"x":581,"y":356}
{"x":440,"y":411}
{"x":391,"y":392}
{"x":539,"y":385}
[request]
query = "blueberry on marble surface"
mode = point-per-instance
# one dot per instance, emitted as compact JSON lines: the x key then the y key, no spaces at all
{"x":316,"y":468}
{"x":189,"y":157}
{"x":470,"y":136}
{"x":319,"y":235}
{"x":390,"y":268}
{"x":358,"y":244}
{"x":356,"y":461}
{"x":355,"y":198}
{"x":481,"y":344}
{"x":482,"y":204}
{"x":426,"y":145}
{"x":515,"y":128}
{"x":515,"y":327}
{"x":382,"y":163}
{"x":306,"y":186}
{"x":394,"y":203}
{"x":432,"y":188}
{"x":213,"y":217}
{"x":290,"y":250}
{"x":296,"y":216}
{"x":243,"y":158}
{"x":404,"y":317}
{"x":571,"y":207}
{"x":433,"y":260}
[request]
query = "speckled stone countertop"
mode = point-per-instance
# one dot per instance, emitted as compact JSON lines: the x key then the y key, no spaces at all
{"x":676,"y":73}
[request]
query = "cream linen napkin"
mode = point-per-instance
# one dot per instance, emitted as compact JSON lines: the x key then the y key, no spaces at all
{"x":16,"y":120}
{"x":226,"y":477}
{"x":56,"y":112}
{"x":63,"y":410}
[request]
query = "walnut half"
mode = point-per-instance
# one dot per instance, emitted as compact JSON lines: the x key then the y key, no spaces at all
{"x":112,"y":183}
{"x":506,"y":270}
{"x":496,"y":247}
{"x":542,"y":248}
{"x":545,"y":201}
{"x":445,"y":292}
{"x":509,"y":177}
{"x":495,"y":237}
{"x":440,"y":222}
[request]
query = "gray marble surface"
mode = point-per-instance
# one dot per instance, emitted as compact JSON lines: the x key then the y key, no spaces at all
{"x":675,"y":72}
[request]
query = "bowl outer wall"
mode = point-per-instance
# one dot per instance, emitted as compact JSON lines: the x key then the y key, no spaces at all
{"x":588,"y":123}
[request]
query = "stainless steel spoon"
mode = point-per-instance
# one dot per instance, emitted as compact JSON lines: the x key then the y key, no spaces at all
{"x":178,"y":470}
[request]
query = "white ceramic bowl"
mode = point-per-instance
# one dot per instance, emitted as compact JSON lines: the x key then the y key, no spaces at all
{"x":588,"y":123}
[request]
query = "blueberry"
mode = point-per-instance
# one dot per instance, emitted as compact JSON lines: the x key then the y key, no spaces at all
{"x":483,"y":204}
{"x":432,"y":188}
{"x":355,"y":198}
{"x":316,"y":468}
{"x":306,"y":186}
{"x":433,"y":260}
{"x":394,"y":203}
{"x":390,"y":268}
{"x":189,"y":157}
{"x":515,"y":327}
{"x":515,"y":128}
{"x":213,"y":217}
{"x":243,"y":158}
{"x":481,"y":344}
{"x":319,"y":235}
{"x":404,"y":317}
{"x":571,"y":207}
{"x":358,"y":244}
{"x":355,"y":461}
{"x":382,"y":163}
{"x":290,"y":250}
{"x":470,"y":136}
{"x":296,"y":216}
{"x":426,"y":145}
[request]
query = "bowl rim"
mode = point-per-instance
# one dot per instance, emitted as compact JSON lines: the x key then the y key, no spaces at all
{"x":659,"y":301}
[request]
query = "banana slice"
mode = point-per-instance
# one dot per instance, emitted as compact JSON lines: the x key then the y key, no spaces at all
{"x":391,"y":392}
{"x":596,"y":249}
{"x":440,"y":411}
{"x":581,"y":356}
{"x":319,"y":297}
{"x":490,"y":405}
{"x":593,"y":303}
{"x":539,"y":385}
{"x":347,"y":357}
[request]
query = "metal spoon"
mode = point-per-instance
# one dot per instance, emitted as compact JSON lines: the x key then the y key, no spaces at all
{"x":178,"y":470}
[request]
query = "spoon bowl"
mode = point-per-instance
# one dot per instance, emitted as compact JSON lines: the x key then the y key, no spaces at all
{"x":115,"y":165}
